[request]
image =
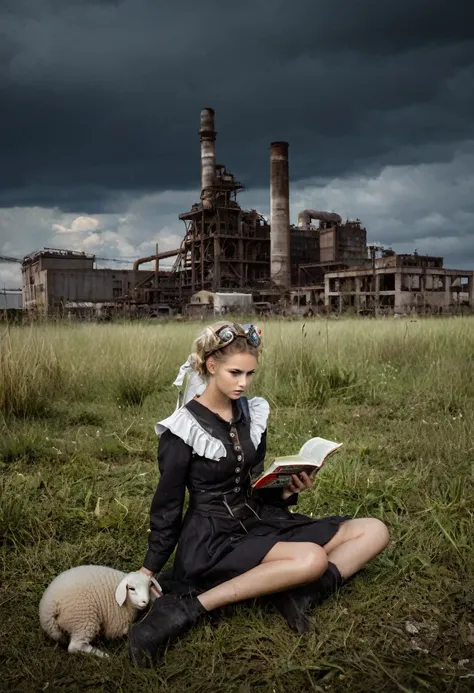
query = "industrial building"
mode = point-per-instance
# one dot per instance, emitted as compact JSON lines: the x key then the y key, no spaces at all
{"x":400,"y":284}
{"x":66,"y":282}
{"x":391,"y":283}
{"x":321,"y":264}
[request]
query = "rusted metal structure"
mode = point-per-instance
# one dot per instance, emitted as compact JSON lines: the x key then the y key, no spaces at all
{"x":280,"y":215}
{"x":225,"y":247}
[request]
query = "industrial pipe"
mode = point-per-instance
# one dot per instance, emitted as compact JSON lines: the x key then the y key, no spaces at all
{"x":304,"y":217}
{"x":280,"y":267}
{"x":208,"y":156}
{"x":150,"y":258}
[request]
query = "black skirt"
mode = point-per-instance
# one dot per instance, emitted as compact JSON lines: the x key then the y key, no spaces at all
{"x":215,"y":548}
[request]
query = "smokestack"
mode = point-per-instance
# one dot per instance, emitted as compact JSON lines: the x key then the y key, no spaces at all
{"x":208,"y":155}
{"x":280,"y":215}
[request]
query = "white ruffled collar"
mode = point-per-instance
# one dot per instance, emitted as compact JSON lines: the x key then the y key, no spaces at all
{"x":184,"y":425}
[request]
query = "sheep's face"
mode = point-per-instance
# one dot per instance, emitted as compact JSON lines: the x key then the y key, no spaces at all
{"x":135,"y":587}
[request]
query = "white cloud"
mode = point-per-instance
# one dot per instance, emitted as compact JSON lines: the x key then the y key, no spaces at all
{"x":78,"y":225}
{"x":429,"y":207}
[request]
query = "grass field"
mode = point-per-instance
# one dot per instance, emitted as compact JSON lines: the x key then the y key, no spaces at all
{"x":78,"y":470}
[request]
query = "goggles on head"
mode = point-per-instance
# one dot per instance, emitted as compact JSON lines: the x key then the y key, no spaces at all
{"x":229,"y":333}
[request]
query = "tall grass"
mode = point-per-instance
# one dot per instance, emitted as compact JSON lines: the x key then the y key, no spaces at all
{"x":78,"y":470}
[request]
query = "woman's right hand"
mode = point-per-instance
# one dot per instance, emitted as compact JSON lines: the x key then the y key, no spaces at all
{"x":153,"y":588}
{"x":297,"y":484}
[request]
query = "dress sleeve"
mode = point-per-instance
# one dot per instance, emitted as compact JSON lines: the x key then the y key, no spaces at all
{"x":269,"y":496}
{"x":174,"y":457}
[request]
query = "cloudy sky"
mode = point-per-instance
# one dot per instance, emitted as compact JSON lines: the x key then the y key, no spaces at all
{"x":100,"y":103}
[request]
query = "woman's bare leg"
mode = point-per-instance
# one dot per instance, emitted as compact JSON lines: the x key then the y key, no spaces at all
{"x":356,"y":542}
{"x":286,"y":565}
{"x":290,"y":564}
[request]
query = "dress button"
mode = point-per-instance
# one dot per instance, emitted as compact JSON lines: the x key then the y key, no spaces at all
{"x":237,"y":479}
{"x":239,"y":458}
{"x":237,"y":448}
{"x":237,"y":470}
{"x":237,"y":489}
{"x":232,"y":435}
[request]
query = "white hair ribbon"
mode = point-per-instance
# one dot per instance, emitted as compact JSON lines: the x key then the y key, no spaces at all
{"x":194,"y":384}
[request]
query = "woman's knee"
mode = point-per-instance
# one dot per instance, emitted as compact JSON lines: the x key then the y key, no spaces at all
{"x":312,"y":560}
{"x":378,"y":532}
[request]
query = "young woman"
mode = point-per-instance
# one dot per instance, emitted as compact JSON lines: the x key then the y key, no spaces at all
{"x":234,"y":543}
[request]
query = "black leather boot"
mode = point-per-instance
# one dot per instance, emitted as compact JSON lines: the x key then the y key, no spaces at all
{"x":295,"y":604}
{"x":169,"y":617}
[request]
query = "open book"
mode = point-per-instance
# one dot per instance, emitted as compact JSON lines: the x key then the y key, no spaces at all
{"x":310,"y":459}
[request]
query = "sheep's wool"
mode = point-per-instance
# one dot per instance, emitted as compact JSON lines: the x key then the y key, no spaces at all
{"x":82,"y":600}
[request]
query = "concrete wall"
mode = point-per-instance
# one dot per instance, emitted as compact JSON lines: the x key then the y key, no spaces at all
{"x":34,"y":288}
{"x":344,"y":242}
{"x":327,"y":245}
{"x":351,"y":242}
{"x":45,"y":290}
{"x":92,"y":285}
{"x":65,"y":263}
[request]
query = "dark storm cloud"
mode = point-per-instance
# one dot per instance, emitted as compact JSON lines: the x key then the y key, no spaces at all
{"x":103,"y":97}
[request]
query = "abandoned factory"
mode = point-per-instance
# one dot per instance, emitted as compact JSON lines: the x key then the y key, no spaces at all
{"x":236,"y":260}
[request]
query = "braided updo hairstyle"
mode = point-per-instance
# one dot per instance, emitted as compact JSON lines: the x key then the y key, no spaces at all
{"x":205,"y":345}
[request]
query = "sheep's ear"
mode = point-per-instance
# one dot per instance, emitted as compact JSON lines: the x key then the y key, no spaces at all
{"x":156,"y":584}
{"x":121,"y":592}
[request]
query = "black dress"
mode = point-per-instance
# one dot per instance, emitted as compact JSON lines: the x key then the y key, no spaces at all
{"x":228,"y":528}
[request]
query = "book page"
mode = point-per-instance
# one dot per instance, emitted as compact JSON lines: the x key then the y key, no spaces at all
{"x":288,"y":459}
{"x":317,"y":449}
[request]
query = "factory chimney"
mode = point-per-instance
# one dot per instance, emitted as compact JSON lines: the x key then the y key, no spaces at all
{"x":208,"y":156}
{"x":280,"y":215}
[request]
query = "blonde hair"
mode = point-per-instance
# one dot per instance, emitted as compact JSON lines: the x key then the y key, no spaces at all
{"x":207,"y":343}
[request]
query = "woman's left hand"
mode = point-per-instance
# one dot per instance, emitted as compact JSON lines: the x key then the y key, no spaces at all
{"x":297,"y":484}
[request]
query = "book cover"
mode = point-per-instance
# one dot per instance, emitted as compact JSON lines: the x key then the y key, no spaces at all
{"x":310,"y":459}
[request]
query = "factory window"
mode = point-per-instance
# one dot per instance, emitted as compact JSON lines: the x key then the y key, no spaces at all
{"x":387,"y":301}
{"x":434,"y":282}
{"x":300,"y":300}
{"x":367,"y":284}
{"x":230,"y":251}
{"x":117,"y":288}
{"x":387,"y":282}
{"x":411,"y":282}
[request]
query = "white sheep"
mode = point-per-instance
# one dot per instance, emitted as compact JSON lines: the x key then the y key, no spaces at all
{"x":91,"y":600}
